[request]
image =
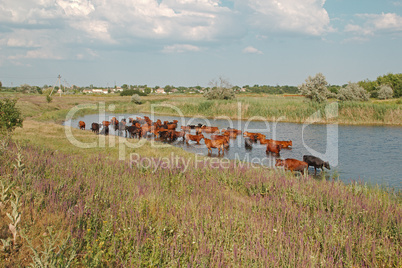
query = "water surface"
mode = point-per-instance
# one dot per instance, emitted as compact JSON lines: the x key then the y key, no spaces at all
{"x":368,"y":153}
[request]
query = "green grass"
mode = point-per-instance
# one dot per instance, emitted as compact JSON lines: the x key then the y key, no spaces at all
{"x":100,"y":211}
{"x":263,"y":107}
{"x":112,"y":214}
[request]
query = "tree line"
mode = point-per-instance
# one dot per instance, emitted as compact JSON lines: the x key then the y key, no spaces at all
{"x":315,"y":88}
{"x":385,"y":87}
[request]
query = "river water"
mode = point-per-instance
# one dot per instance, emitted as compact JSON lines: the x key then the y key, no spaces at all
{"x":368,"y":153}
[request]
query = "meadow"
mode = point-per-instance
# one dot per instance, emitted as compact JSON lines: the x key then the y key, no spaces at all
{"x":87,"y":208}
{"x":257,"y":106}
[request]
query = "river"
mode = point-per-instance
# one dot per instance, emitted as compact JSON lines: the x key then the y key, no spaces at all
{"x":368,"y":153}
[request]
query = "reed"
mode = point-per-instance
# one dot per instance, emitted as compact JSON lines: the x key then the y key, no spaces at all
{"x":269,"y":107}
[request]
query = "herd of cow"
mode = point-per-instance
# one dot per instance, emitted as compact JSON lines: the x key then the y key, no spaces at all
{"x":166,"y":131}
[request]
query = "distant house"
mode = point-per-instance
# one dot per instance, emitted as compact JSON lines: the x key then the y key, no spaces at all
{"x":87,"y":91}
{"x":160,"y":91}
{"x":100,"y":90}
{"x":117,"y":89}
{"x":174,"y":90}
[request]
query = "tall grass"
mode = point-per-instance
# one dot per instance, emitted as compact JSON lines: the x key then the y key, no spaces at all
{"x":269,"y":107}
{"x":291,"y":109}
{"x":238,"y":217}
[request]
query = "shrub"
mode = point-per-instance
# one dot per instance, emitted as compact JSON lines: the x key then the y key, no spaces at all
{"x":385,"y":92}
{"x":130,"y":92}
{"x":136,"y":99}
{"x":315,"y":88}
{"x":10,"y":116}
{"x":219,"y":93}
{"x":353,"y":92}
{"x":49,"y":99}
{"x":220,"y":90}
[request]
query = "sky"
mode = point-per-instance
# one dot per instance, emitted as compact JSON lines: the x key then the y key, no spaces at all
{"x":192,"y":42}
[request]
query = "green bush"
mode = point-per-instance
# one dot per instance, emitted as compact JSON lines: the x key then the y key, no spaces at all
{"x":130,"y":92}
{"x":10,"y":116}
{"x":219,"y":93}
{"x":136,"y":99}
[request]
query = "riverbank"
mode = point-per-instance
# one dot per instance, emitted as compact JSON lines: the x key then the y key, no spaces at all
{"x":255,"y":107}
{"x":100,"y":210}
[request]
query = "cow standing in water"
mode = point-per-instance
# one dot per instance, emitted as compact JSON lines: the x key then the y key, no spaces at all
{"x":315,"y":162}
{"x":217,"y":144}
{"x":292,"y":164}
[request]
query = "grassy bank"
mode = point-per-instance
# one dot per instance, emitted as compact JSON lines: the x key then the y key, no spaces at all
{"x":85,"y":207}
{"x":267,"y":107}
{"x":98,"y":211}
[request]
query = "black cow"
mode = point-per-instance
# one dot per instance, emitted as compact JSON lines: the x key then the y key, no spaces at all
{"x":248,"y":143}
{"x":133,"y":131}
{"x":105,"y":130}
{"x":120,"y":127}
{"x":95,"y":128}
{"x":315,"y":162}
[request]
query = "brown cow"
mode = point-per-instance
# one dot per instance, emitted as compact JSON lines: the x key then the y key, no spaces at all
{"x":217,"y":144}
{"x":273,"y":148}
{"x":221,"y":137}
{"x":198,"y":130}
{"x":81,"y":124}
{"x":264,"y":141}
{"x":285,"y":144}
{"x":186,"y":128}
{"x":292,"y":164}
{"x":209,"y":129}
{"x":180,"y":134}
{"x":114,"y":121}
{"x":196,"y":138}
{"x":253,"y":136}
{"x":105,"y":123}
{"x":230,"y":134}
{"x":237,"y":131}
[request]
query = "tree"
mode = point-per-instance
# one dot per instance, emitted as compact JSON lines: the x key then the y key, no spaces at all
{"x":10,"y":116}
{"x":1,"y":85}
{"x":220,"y":89}
{"x":385,"y":92}
{"x":370,"y":86}
{"x":392,"y":80}
{"x":315,"y":88}
{"x":353,"y":92}
{"x":147,"y":90}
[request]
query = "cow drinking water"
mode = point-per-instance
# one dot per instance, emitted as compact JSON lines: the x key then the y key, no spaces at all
{"x":315,"y":162}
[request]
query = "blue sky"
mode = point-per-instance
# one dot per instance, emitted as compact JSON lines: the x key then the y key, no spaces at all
{"x":191,"y":42}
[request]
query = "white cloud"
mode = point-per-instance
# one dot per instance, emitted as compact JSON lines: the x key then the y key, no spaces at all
{"x":376,"y":24}
{"x":37,"y":54}
{"x":251,"y":50}
{"x":388,"y":21}
{"x":180,"y":48}
{"x":301,"y":16}
{"x":76,"y":7}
